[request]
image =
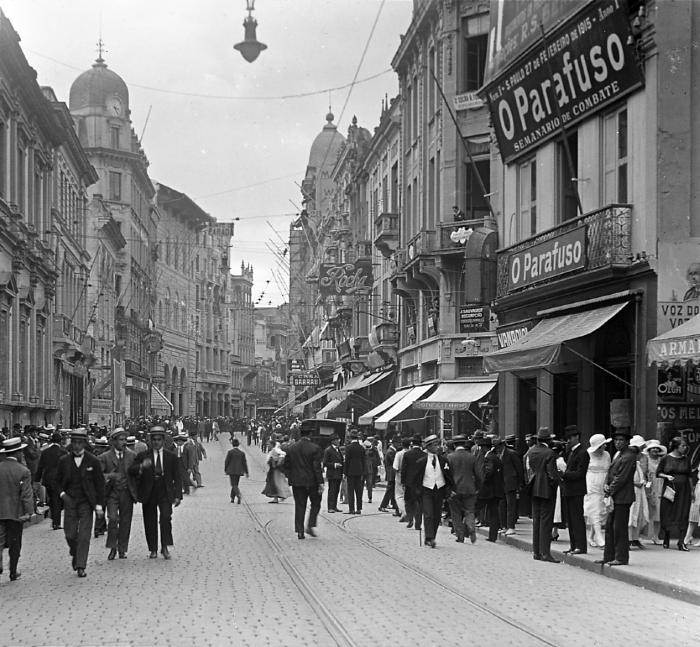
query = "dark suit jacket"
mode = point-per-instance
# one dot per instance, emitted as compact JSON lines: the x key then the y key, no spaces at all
{"x":90,"y":475}
{"x":544,"y":472}
{"x":354,"y":459}
{"x":146,"y":476}
{"x":47,"y":471}
{"x":332,"y":456}
{"x":513,"y":476}
{"x":410,"y":470}
{"x":575,"y":475}
{"x":389,"y":456}
{"x":620,"y":480}
{"x":110,"y":468}
{"x":493,"y":477}
{"x":236,"y":463}
{"x":466,"y":475}
{"x":302,"y":464}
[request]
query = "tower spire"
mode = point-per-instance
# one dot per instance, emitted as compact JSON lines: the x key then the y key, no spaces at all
{"x":100,"y":50}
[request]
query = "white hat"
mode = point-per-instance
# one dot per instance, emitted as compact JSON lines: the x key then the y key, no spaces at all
{"x":637,"y":441}
{"x":655,"y":444}
{"x":596,"y":441}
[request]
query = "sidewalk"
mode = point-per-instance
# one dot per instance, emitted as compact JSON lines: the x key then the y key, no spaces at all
{"x":668,"y":572}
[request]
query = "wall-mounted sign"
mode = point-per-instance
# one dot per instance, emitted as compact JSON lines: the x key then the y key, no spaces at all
{"x":304,"y":379}
{"x":338,"y":279}
{"x":584,"y":65}
{"x":670,"y":384}
{"x":474,"y":318}
{"x":467,"y":101}
{"x":510,"y":333}
{"x":551,"y":258}
{"x":296,"y":365}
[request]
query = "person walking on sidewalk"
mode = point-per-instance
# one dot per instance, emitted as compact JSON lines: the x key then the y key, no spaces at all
{"x":390,"y":478}
{"x":677,"y":492}
{"x":16,"y":501}
{"x":513,"y":481}
{"x":466,"y":481}
{"x":372,"y":461}
{"x":544,"y":480}
{"x":399,"y":489}
{"x":354,"y":470}
{"x":433,"y":479}
{"x":333,"y":462}
{"x":411,"y":477}
{"x":82,"y":491}
{"x":594,"y":508}
{"x":46,"y":473}
{"x":574,"y":489}
{"x":305,"y":475}
{"x":619,"y":487}
{"x":492,"y":489}
{"x":235,"y":466}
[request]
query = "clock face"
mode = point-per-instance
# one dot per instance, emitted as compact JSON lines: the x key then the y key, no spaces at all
{"x":114,"y":106}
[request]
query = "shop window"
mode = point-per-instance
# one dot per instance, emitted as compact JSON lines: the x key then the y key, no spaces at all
{"x":115,"y":186}
{"x":527,"y":198}
{"x":474,"y":62}
{"x":615,"y":157}
{"x":476,"y":205}
{"x":567,"y":178}
{"x":469,"y":366}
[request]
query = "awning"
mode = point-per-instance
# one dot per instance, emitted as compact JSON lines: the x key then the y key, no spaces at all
{"x":330,"y":407}
{"x":681,"y":344}
{"x":360,"y":382}
{"x":159,"y":401}
{"x":542,"y":345}
{"x":456,"y":396}
{"x":299,"y":408}
{"x":367,"y":418}
{"x":288,"y":402}
{"x":410,"y":396}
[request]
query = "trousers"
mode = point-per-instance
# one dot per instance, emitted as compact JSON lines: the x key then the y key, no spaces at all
{"x":301,"y":494}
{"x":432,"y":511}
{"x":576,"y":521}
{"x":11,"y":536}
{"x":492,"y":517}
{"x":120,"y":510}
{"x":616,"y":540}
{"x":542,"y":521}
{"x":333,"y":490}
{"x":158,"y":511}
{"x":77,"y":528}
{"x":55,"y":504}
{"x":462,"y":510}
{"x":388,"y":497}
{"x":235,"y":491}
{"x":508,"y":510}
{"x":355,"y":492}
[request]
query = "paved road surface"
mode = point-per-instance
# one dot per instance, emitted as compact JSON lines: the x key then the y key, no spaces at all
{"x":239,"y":576}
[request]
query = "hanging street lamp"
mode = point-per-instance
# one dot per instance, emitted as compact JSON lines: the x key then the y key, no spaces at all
{"x":250,"y":47}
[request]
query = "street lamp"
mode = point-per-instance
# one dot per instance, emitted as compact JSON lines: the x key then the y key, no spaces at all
{"x":250,"y":47}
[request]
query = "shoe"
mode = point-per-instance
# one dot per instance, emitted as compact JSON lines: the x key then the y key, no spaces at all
{"x":537,"y":558}
{"x":300,"y":535}
{"x":369,"y":500}
{"x":311,"y":531}
{"x":15,"y":576}
{"x":396,"y":514}
{"x":122,"y":555}
{"x":682,"y":546}
{"x":617,"y":562}
{"x":579,"y":551}
{"x":239,"y":500}
{"x":403,"y":518}
{"x":600,"y":561}
{"x":410,"y":524}
{"x":550,"y":559}
{"x":382,"y":509}
{"x":429,"y":543}
{"x":331,"y":511}
{"x":510,"y":532}
{"x":165,"y":552}
{"x":153,"y":554}
{"x":72,"y":563}
{"x":665,"y":544}
{"x":350,"y":512}
{"x":81,"y":572}
{"x":567,"y":552}
{"x":418,"y":528}
{"x":112,"y":554}
{"x":472,"y":537}
{"x":233,"y":501}
{"x":637,"y":544}
{"x":460,"y":540}
{"x":268,"y":501}
{"x":57,"y":527}
{"x":493,"y":541}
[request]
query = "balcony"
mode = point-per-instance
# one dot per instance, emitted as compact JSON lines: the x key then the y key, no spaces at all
{"x":398,"y":261}
{"x":386,"y":233}
{"x":604,"y":235}
{"x":422,"y":244}
{"x":453,"y":236}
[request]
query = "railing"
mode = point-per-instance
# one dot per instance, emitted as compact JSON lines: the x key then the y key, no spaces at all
{"x":398,"y":261}
{"x":423,"y":243}
{"x":446,"y":229}
{"x":608,"y":241}
{"x":386,"y":224}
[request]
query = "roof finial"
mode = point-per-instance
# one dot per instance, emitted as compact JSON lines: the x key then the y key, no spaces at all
{"x":100,"y":50}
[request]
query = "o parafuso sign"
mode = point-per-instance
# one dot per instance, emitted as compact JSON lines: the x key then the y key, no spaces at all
{"x":580,"y":68}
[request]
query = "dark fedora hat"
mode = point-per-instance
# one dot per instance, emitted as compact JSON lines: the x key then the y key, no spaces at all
{"x":544,"y":434}
{"x":571,"y":430}
{"x":622,"y":431}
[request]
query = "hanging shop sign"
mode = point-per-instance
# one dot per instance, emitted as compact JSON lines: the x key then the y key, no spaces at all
{"x":474,"y":318}
{"x":339,"y":279}
{"x":305,"y":379}
{"x":549,"y":259}
{"x":296,"y":365}
{"x":577,"y":70}
{"x":509,"y":334}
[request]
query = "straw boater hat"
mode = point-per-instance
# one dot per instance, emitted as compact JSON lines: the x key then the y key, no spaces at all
{"x":117,"y":432}
{"x":12,"y":445}
{"x":597,"y":441}
{"x":157,"y":430}
{"x":77,"y":434}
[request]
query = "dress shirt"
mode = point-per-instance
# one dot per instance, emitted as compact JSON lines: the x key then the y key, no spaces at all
{"x":78,"y":458}
{"x":433,"y":477}
{"x":156,"y":454}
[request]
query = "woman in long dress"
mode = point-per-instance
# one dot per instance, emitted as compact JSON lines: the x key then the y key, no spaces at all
{"x":594,"y":509}
{"x":639,"y":511}
{"x":674,"y":468}
{"x":276,"y":486}
{"x":655,"y":451}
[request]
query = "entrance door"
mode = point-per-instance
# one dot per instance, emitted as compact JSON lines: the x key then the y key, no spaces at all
{"x":527,"y":411}
{"x":565,"y":402}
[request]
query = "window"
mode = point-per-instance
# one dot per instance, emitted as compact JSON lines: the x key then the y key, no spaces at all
{"x":432,"y":73}
{"x":476,"y":205}
{"x":474,"y":62}
{"x":114,"y":134}
{"x":414,"y":110}
{"x":3,"y":158}
{"x":115,"y":185}
{"x":615,"y":160}
{"x":409,"y":118}
{"x":567,"y":178}
{"x":21,"y":176}
{"x":527,"y":199}
{"x":395,"y":188}
{"x":432,"y":207}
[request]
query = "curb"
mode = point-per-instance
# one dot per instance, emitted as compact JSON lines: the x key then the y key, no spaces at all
{"x":675,"y":591}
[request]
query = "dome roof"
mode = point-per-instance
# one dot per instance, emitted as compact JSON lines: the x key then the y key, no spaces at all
{"x":94,"y":86}
{"x":326,"y":145}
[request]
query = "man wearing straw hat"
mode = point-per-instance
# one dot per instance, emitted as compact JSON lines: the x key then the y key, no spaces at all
{"x":16,"y":501}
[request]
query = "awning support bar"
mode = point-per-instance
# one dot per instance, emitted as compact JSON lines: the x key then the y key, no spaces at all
{"x":602,"y":368}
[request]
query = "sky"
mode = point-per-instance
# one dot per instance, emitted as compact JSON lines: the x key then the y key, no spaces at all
{"x":227,"y":132}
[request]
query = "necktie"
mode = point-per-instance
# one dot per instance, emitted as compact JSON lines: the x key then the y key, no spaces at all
{"x":433,"y":461}
{"x":159,"y":466}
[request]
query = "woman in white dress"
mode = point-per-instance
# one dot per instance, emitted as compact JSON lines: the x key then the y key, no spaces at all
{"x":639,"y":512}
{"x":594,"y":509}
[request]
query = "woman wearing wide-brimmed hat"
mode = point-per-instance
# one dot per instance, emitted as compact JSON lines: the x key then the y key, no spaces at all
{"x":594,"y":509}
{"x":639,"y":512}
{"x":654,"y":451}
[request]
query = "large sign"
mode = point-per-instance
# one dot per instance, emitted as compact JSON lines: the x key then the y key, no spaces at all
{"x":345,"y":278}
{"x":549,"y":259}
{"x":296,"y":365}
{"x":580,"y":68}
{"x":474,"y":318}
{"x":510,"y":333}
{"x":679,"y":283}
{"x":515,"y":26}
{"x":305,"y":379}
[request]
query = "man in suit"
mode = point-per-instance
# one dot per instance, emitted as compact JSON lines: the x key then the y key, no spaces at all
{"x":412,"y":470}
{"x":466,"y":481}
{"x":513,"y":481}
{"x":197,"y":455}
{"x":333,"y":462}
{"x":185,"y":452}
{"x":159,"y":489}
{"x":302,"y":465}
{"x":47,"y":472}
{"x":120,"y":492}
{"x":354,"y":470}
{"x":82,"y":491}
{"x":16,"y":501}
{"x":541,"y":466}
{"x":388,"y":498}
{"x":491,"y":492}
{"x":235,"y":466}
{"x":619,"y":485}
{"x":574,"y":489}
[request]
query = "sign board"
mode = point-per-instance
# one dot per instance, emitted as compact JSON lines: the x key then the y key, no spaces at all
{"x":510,"y":333}
{"x":304,"y":379}
{"x":583,"y":66}
{"x":670,"y":384}
{"x":296,"y":365}
{"x":546,"y":260}
{"x":467,"y":101}
{"x":474,"y":318}
{"x":679,"y":413}
{"x":339,"y":279}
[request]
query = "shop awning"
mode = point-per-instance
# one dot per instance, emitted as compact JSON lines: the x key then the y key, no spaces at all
{"x":681,"y":344}
{"x":158,"y":401}
{"x":288,"y":402}
{"x":367,"y":418}
{"x":299,"y":408}
{"x":543,"y":344}
{"x":330,"y":407}
{"x":360,"y":382}
{"x":410,"y":396}
{"x":456,"y":396}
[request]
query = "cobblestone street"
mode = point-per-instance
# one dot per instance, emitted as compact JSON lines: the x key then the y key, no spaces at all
{"x":239,"y":576}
